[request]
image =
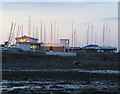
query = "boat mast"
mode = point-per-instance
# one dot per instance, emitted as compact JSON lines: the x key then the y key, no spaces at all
{"x":29,"y":26}
{"x":58,"y":35}
{"x":12,"y":35}
{"x":55,"y":32}
{"x":92,"y":35}
{"x":22,"y":30}
{"x":109,"y":35}
{"x":41,"y":31}
{"x":106,"y":34}
{"x":88,"y":35}
{"x":72,"y":35}
{"x":51,"y":33}
{"x":45,"y":33}
{"x":33,"y":31}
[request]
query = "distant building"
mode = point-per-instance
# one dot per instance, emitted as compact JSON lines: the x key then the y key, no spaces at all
{"x":108,"y":49}
{"x":65,"y":43}
{"x":26,"y":43}
{"x":52,"y":47}
{"x":75,"y":49}
{"x":96,"y":48}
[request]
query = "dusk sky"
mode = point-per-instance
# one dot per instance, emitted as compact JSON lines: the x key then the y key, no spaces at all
{"x":94,"y":13}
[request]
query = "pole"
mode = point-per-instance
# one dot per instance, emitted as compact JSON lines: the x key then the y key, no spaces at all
{"x":72,"y":35}
{"x":33,"y":31}
{"x":109,"y":35}
{"x":45,"y":33}
{"x":106,"y":34}
{"x":88,"y":35}
{"x":103,"y":34}
{"x":55,"y":32}
{"x":29,"y":27}
{"x":58,"y":35}
{"x":22,"y":30}
{"x":51,"y":33}
{"x":41,"y":31}
{"x":95,"y":38}
{"x":92,"y":35}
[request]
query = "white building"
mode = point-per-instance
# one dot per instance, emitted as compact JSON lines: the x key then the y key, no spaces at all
{"x":65,"y":43}
{"x":25,"y":42}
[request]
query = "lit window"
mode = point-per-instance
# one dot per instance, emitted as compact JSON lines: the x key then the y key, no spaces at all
{"x":21,"y":40}
{"x":31,"y":47}
{"x":67,"y":42}
{"x":24,"y":40}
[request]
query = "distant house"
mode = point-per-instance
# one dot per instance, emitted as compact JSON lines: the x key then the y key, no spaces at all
{"x":26,"y":43}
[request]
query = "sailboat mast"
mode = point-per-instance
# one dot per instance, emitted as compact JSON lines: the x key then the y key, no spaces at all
{"x":29,"y":26}
{"x":92,"y":35}
{"x":103,"y":34}
{"x":72,"y":35}
{"x":55,"y":32}
{"x":33,"y":31}
{"x":41,"y":32}
{"x":109,"y":35}
{"x":51,"y":33}
{"x":106,"y":34}
{"x":88,"y":35}
{"x":57,"y":35}
{"x":22,"y":30}
{"x":95,"y":38}
{"x":18,"y":31}
{"x":45,"y":33}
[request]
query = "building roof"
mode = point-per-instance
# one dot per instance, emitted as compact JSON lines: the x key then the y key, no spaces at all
{"x":26,"y":37}
{"x":52,"y":45}
{"x":64,"y":39}
{"x":77,"y":48}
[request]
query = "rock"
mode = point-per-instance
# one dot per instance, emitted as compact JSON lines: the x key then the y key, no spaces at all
{"x":76,"y":63}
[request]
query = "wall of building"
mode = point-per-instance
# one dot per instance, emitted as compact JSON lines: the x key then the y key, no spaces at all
{"x":25,"y":47}
{"x":64,"y":42}
{"x":54,"y":49}
{"x":35,"y":46}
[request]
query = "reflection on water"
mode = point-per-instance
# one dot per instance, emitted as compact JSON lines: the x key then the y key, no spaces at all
{"x":50,"y":81}
{"x":56,"y":85}
{"x":71,"y":70}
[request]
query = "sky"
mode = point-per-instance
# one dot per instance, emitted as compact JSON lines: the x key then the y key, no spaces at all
{"x":63,"y":13}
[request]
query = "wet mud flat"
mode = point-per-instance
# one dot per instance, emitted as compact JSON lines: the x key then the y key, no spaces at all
{"x":37,"y":73}
{"x":59,"y":82}
{"x":85,"y":61}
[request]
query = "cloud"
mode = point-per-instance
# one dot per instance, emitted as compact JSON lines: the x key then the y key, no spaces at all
{"x":110,"y":19}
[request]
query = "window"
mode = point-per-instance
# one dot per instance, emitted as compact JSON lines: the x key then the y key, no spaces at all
{"x":51,"y":48}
